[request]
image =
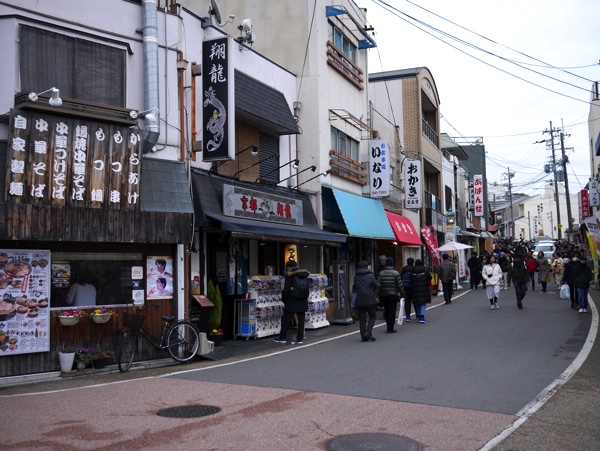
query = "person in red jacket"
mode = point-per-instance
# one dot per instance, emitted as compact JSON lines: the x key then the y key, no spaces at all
{"x":531,"y":264}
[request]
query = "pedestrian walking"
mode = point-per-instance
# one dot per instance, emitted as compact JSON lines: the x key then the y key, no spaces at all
{"x":568,"y":278}
{"x":558,"y":268}
{"x":295,"y":299}
{"x":510,"y":263}
{"x":543,"y":270}
{"x":492,"y":274}
{"x":504,"y":266}
{"x":520,"y":278}
{"x":475,"y":266}
{"x":390,"y":287}
{"x":582,"y":276}
{"x":406,"y":274}
{"x":366,"y":288}
{"x":421,"y":291}
{"x":531,"y":264}
{"x":447,"y":275}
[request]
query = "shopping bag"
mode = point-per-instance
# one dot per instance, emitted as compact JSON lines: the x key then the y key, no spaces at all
{"x":565,"y":292}
{"x":548,"y":278}
{"x":400,"y":312}
{"x":353,"y":300}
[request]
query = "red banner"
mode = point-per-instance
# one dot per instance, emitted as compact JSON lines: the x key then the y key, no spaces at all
{"x":584,"y":204}
{"x":430,"y":237}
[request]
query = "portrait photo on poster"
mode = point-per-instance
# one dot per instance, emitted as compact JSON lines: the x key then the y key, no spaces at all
{"x":159,"y":266}
{"x":159,"y":288}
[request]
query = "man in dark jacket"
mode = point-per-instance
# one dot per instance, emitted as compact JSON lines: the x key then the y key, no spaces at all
{"x":582,"y":276}
{"x":406,"y":274}
{"x":447,"y":275}
{"x":421,"y":291}
{"x":520,"y":278}
{"x":295,"y":304}
{"x":391,"y":285}
{"x":475,"y":267}
{"x":366,"y":288}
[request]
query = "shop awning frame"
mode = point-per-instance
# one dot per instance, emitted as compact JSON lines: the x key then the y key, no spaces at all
{"x":404,"y":230}
{"x":208,"y":199}
{"x":363,"y":217}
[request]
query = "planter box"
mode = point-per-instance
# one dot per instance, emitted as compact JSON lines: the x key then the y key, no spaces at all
{"x":100,"y":318}
{"x":68,"y":320}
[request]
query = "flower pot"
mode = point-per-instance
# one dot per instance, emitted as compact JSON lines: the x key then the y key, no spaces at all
{"x":68,"y":320}
{"x":216,"y":339}
{"x":101,"y":318}
{"x":101,"y":363}
{"x":66,"y":361}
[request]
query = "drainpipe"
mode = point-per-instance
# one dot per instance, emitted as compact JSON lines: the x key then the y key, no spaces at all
{"x":181,"y":67}
{"x":150,"y":39}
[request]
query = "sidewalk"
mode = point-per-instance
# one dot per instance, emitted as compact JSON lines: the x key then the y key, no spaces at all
{"x":570,"y":419}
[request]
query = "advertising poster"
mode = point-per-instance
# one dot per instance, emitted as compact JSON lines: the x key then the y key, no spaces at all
{"x":24,"y":301}
{"x":160,"y":277}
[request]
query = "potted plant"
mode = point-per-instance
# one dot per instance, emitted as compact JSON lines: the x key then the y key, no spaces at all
{"x":214,"y":314}
{"x":66,"y":358}
{"x":70,"y":317}
{"x":83,"y":358}
{"x":103,"y":358}
{"x":101,"y":315}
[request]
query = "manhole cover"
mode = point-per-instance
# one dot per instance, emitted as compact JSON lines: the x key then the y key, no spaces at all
{"x":188,"y":411}
{"x":379,"y":442}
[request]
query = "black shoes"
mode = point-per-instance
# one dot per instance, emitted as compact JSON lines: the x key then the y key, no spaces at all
{"x":392,"y":331}
{"x":368,"y":337}
{"x":520,"y":305}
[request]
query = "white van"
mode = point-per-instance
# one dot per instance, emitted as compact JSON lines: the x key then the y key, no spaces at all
{"x":547,"y":247}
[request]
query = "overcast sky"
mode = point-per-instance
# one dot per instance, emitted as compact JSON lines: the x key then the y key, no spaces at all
{"x":478,"y":100}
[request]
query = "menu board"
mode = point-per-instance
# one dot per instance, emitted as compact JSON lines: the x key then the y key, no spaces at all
{"x":24,"y":301}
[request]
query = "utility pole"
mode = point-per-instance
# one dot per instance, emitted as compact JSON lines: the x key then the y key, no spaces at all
{"x":564,"y":162}
{"x":510,"y":175}
{"x":555,"y":181}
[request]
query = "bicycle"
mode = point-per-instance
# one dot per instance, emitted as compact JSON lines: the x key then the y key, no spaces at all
{"x":179,"y":338}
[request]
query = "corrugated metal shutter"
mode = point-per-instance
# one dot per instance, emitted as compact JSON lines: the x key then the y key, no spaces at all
{"x":269,"y":145}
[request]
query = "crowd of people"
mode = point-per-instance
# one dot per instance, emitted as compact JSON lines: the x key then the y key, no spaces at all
{"x":514,"y":262}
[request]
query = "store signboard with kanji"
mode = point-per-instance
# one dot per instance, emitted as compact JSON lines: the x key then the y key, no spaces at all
{"x":240,"y":202}
{"x":478,"y":195}
{"x":379,"y":168}
{"x":412,"y":184}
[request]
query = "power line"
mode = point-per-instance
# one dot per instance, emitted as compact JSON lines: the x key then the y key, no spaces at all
{"x":474,"y":57}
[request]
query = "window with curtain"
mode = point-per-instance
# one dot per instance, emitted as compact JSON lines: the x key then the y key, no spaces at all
{"x":80,"y":68}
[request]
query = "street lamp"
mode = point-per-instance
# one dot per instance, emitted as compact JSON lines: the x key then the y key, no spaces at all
{"x":450,"y":217}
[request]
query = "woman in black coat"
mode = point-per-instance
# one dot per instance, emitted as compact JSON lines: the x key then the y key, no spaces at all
{"x":366,"y":288}
{"x":421,"y":289}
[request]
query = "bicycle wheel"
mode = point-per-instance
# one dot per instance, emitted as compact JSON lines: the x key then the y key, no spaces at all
{"x":127,"y":349}
{"x":183,"y":341}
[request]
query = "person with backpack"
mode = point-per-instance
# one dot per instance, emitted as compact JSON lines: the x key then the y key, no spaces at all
{"x":295,"y":298}
{"x":390,"y":282}
{"x":366,"y":288}
{"x":520,"y":278}
{"x":475,"y":267}
{"x":406,"y":274}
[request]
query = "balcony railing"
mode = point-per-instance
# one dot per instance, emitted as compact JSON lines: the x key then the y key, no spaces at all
{"x":430,"y":134}
{"x":339,"y":61}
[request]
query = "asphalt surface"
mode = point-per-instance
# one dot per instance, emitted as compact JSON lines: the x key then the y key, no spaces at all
{"x":265,"y":408}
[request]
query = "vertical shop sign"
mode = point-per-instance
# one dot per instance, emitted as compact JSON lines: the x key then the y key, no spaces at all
{"x":218,"y":107}
{"x":430,"y":236}
{"x":24,"y":301}
{"x":412,"y":184}
{"x":594,"y":195}
{"x":160,"y":277}
{"x":60,"y":161}
{"x":584,"y":204}
{"x":478,"y":194}
{"x":379,"y":168}
{"x":471,"y":196}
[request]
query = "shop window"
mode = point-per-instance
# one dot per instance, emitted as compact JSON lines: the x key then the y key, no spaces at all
{"x":80,"y":68}
{"x":108,"y":273}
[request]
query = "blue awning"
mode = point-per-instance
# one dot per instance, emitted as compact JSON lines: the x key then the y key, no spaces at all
{"x":363,"y":217}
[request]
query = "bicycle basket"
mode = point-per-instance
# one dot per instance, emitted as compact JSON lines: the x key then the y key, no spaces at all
{"x":133,"y":322}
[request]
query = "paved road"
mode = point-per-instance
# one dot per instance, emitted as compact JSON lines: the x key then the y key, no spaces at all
{"x":460,"y":382}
